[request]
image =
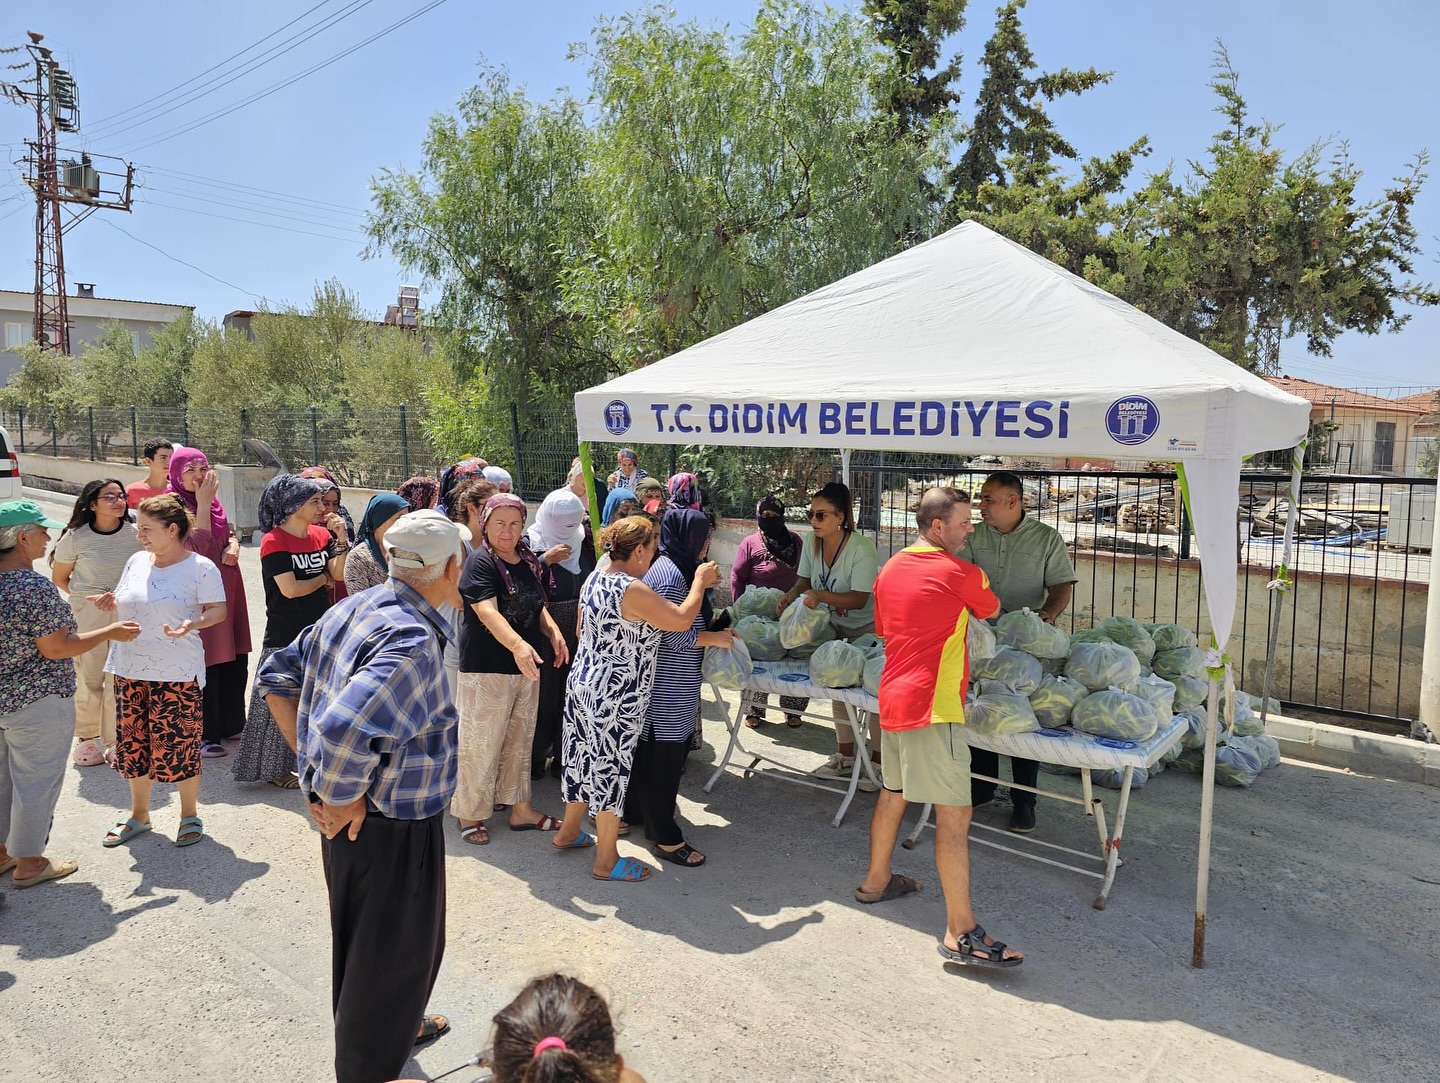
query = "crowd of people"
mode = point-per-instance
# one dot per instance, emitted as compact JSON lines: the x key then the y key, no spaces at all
{"x":438,"y":657}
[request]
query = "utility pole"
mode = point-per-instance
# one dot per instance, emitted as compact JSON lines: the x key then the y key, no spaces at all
{"x":58,"y":183}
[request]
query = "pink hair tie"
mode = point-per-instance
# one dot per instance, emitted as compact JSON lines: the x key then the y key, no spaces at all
{"x":549,"y":1043}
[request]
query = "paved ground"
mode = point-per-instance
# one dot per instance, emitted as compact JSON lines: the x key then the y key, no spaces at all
{"x":212,"y":962}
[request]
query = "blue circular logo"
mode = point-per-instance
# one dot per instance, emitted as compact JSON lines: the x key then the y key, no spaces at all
{"x":1132,"y":420}
{"x":795,"y":678}
{"x":617,"y":417}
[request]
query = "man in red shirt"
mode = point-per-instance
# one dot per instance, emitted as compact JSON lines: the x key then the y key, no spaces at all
{"x":924,"y":600}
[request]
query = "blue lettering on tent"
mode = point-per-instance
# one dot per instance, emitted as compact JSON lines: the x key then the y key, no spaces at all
{"x":977,"y":417}
{"x":932,"y":418}
{"x":829,"y":418}
{"x":1040,"y":424}
{"x":752,"y":417}
{"x":903,"y":421}
{"x":681,"y":425}
{"x":795,"y":418}
{"x":1007,"y":419}
{"x":719,"y":417}
{"x":854,"y":419}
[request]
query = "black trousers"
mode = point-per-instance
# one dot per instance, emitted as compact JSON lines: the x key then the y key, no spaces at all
{"x":224,"y":707}
{"x":387,"y":937}
{"x":654,"y":785}
{"x":549,"y":717}
{"x":985,"y":762}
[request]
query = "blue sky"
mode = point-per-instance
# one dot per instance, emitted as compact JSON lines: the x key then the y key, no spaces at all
{"x":294,"y":167}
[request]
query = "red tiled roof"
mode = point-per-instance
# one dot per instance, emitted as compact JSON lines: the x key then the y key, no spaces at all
{"x":1327,"y":394}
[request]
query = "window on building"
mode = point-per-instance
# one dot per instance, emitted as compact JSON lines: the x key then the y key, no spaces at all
{"x":134,"y":342}
{"x":1384,"y":445}
{"x":16,"y":334}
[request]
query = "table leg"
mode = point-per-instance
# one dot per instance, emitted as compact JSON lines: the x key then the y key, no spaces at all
{"x":1112,"y":857}
{"x":1094,"y":807}
{"x":862,"y":761}
{"x":735,"y":725}
{"x":914,"y":836}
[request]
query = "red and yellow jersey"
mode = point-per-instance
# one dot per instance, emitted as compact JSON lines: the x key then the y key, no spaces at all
{"x":924,"y":601}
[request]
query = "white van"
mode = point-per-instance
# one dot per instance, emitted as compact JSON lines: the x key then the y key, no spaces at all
{"x":9,"y":468}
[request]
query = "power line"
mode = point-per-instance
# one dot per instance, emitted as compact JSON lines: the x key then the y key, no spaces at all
{"x":259,"y":209}
{"x":177,"y":259}
{"x":293,"y":79}
{"x":217,"y":83}
{"x":249,"y":190}
{"x":106,"y":121}
{"x":252,"y":222}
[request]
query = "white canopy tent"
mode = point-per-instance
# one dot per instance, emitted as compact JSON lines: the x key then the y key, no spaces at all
{"x":972,"y":344}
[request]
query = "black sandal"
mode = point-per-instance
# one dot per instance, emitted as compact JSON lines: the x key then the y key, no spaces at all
{"x":682,"y":856}
{"x":971,"y":947}
{"x":431,"y":1027}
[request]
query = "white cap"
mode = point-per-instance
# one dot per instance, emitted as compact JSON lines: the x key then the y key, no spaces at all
{"x":423,"y":539}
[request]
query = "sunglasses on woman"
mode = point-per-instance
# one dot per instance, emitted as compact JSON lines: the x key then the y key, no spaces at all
{"x":820,"y":516}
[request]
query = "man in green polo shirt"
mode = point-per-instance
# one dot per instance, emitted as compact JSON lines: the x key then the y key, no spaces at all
{"x":1029,"y":568}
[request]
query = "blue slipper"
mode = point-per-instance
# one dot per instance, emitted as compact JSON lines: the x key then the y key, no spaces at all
{"x":123,"y":831}
{"x":190,"y":832}
{"x":626,"y":869}
{"x":583,"y":841}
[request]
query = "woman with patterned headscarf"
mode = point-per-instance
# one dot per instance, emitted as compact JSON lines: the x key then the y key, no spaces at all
{"x":452,"y":476}
{"x":336,"y":519}
{"x":685,"y":492}
{"x":507,"y":635}
{"x":299,"y":560}
{"x":420,"y":492}
{"x":227,"y":644}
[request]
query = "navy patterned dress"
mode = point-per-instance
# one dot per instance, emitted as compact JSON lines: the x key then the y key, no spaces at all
{"x":606,"y":697}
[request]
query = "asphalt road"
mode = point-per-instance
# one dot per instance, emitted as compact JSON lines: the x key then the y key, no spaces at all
{"x":213,"y":962}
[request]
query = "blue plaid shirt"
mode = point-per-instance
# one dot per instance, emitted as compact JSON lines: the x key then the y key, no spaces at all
{"x":376,"y":718}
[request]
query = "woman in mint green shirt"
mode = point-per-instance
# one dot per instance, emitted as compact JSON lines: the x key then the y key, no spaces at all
{"x":837,"y":568}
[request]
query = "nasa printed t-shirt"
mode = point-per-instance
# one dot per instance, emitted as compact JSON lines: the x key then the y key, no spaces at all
{"x":305,"y":558}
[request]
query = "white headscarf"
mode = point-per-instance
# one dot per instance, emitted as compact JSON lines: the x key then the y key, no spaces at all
{"x":498,"y":476}
{"x":560,"y":521}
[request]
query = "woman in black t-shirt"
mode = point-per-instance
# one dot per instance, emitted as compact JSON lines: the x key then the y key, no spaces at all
{"x":506,"y":637}
{"x":299,"y":561}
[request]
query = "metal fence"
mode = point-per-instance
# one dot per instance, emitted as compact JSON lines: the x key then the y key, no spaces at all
{"x":1370,"y":430}
{"x":374,"y":449}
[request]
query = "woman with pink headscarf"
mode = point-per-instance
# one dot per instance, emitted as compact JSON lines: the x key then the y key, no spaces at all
{"x":507,"y":635}
{"x":227,"y":644}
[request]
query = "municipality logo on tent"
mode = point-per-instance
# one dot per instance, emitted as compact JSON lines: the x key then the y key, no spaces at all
{"x":617,"y":417}
{"x":1132,"y":420}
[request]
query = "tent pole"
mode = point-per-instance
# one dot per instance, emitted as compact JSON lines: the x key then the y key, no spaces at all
{"x":1281,"y":583}
{"x":845,"y":467}
{"x":591,"y":500}
{"x":1207,"y":813}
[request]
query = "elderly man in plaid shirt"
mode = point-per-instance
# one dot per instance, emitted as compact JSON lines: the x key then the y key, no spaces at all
{"x":362,"y":697}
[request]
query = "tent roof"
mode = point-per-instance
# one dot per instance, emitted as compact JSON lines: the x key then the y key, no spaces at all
{"x":966,"y":319}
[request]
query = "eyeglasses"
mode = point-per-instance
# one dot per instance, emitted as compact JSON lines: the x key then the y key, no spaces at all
{"x":820,"y":516}
{"x":114,"y":498}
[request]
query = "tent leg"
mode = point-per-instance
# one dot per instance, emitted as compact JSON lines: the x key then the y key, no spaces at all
{"x":1207,"y":815}
{"x":1297,"y":462}
{"x":591,"y":499}
{"x":845,"y":467}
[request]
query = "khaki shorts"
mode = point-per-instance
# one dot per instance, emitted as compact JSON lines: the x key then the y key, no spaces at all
{"x":930,"y":764}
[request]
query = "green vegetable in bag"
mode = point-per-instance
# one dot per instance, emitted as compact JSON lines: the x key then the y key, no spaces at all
{"x":801,"y":625}
{"x":727,"y":667}
{"x":1189,"y":692}
{"x":1088,"y":635}
{"x":1194,"y":735}
{"x":1169,"y":637}
{"x":874,"y":670}
{"x":1237,"y":765}
{"x":837,"y":664}
{"x":1055,"y":699}
{"x":807,"y":649}
{"x":1025,"y":631}
{"x":1159,"y":693}
{"x":1180,"y":662}
{"x":979,"y":640}
{"x":1010,"y":671}
{"x":869,"y":645}
{"x":762,"y":636}
{"x":1117,"y":714}
{"x":1099,"y":666}
{"x":1129,"y":632}
{"x":1000,"y":715}
{"x":758,"y":602}
{"x":1113,"y":780}
{"x":1264,"y":746}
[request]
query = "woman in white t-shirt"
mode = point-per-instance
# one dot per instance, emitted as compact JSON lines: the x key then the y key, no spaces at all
{"x":159,"y":677}
{"x":87,"y":559}
{"x":837,"y":569}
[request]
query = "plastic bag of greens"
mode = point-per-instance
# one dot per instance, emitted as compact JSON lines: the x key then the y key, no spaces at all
{"x":1169,"y":637}
{"x":1008,"y":672}
{"x":870,"y":678}
{"x":805,"y":650}
{"x":1171,"y":754}
{"x":1192,"y":761}
{"x":727,"y":667}
{"x":869,"y":645}
{"x":837,"y":664}
{"x":980,"y":641}
{"x":1000,"y":715}
{"x":1194,"y":735}
{"x":1088,"y":635}
{"x":762,"y":637}
{"x":800,"y":624}
{"x":1102,"y":665}
{"x":1180,"y":662}
{"x":1237,"y":765}
{"x":1129,"y":632}
{"x":1112,"y":780}
{"x":1189,"y":692}
{"x":1264,"y":746}
{"x":1160,"y":694}
{"x":1055,"y":699}
{"x":759,"y":602}
{"x":1117,"y":714}
{"x":1025,"y":631}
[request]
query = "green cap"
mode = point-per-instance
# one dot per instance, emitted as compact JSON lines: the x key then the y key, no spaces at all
{"x":26,"y":513}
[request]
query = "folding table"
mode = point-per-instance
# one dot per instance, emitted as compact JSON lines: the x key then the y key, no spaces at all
{"x":1071,"y":748}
